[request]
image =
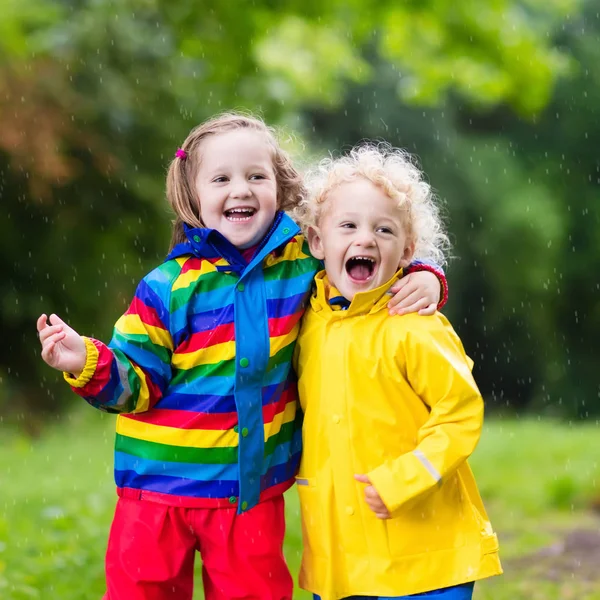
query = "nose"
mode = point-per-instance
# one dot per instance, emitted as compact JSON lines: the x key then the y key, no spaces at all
{"x":365,"y":238}
{"x":240,"y":188}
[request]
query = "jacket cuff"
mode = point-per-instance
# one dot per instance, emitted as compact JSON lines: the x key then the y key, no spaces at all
{"x":91,"y":362}
{"x":437,"y":271}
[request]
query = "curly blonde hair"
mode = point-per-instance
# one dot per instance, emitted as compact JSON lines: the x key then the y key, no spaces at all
{"x":394,"y":171}
{"x":181,"y":177}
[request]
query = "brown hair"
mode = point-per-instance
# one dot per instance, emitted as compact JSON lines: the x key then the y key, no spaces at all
{"x":181,"y":178}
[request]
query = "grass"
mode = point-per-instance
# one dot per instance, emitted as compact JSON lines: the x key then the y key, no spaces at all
{"x":538,"y":479}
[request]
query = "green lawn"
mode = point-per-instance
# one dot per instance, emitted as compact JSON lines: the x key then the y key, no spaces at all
{"x":538,"y":480}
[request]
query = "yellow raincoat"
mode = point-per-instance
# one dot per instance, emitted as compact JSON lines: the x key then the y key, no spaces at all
{"x":392,"y":398}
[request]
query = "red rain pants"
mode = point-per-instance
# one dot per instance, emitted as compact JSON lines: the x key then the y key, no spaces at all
{"x":151,"y":551}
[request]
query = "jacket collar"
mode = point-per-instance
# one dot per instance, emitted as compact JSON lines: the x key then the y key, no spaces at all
{"x":209,"y":243}
{"x":363,"y":303}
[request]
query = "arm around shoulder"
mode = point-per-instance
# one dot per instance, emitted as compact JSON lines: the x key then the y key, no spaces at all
{"x":431,"y":267}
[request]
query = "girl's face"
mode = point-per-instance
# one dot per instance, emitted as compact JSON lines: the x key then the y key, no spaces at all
{"x":236,"y":186}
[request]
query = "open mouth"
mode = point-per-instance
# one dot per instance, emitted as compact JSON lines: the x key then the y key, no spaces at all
{"x":243,"y":213}
{"x":361,"y":269}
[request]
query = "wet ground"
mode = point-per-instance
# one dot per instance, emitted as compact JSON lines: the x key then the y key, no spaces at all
{"x":575,"y":556}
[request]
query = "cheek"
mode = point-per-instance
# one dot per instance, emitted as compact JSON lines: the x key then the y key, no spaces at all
{"x":337,"y":249}
{"x":274,"y":199}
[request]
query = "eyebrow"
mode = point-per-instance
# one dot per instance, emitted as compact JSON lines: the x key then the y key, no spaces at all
{"x":353,"y":215}
{"x":252,"y":167}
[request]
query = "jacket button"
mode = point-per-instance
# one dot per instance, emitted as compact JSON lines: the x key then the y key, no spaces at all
{"x":240,"y":287}
{"x":349,"y":510}
{"x":244,"y":362}
{"x":285,"y":230}
{"x":236,"y":429}
{"x":232,"y":499}
{"x":336,"y":419}
{"x":244,"y":505}
{"x":196,"y":238}
{"x":245,"y":432}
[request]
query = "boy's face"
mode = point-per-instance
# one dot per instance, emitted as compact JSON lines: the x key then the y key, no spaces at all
{"x":361,"y":237}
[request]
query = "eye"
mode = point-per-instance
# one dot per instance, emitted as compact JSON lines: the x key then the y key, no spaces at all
{"x":384,"y":230}
{"x":348,"y":225}
{"x":220,"y":179}
{"x":257,"y":176}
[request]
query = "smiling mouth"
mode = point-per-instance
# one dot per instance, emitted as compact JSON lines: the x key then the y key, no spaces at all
{"x":241,"y":214}
{"x":361,"y":269}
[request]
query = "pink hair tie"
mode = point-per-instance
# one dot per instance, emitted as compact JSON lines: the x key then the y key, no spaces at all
{"x":182,"y":154}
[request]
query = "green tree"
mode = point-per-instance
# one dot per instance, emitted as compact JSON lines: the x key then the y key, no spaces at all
{"x":522,"y":204}
{"x":96,"y":95}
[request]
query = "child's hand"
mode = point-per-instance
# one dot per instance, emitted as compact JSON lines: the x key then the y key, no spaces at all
{"x":373,"y":499}
{"x":62,"y":347}
{"x":419,"y":291}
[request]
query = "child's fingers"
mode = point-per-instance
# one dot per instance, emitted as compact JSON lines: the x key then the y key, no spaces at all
{"x":399,"y":284}
{"x":374,"y":500}
{"x":414,"y":307}
{"x":362,"y":478}
{"x":49,"y":331}
{"x":54,"y":339}
{"x":411,"y":298}
{"x":428,"y":311}
{"x":380,"y":510}
{"x":41,"y":322}
{"x":48,"y":353}
{"x":397,"y":298}
{"x":56,"y":320}
{"x":371,"y":493}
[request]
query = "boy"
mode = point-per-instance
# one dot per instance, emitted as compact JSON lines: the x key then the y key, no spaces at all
{"x":389,"y":505}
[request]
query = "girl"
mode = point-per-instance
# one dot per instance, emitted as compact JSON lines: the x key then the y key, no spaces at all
{"x":390,"y":508}
{"x":199,"y":370}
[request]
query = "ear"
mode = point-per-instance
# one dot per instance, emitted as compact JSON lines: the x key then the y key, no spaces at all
{"x":315,"y":243}
{"x":407,"y":257}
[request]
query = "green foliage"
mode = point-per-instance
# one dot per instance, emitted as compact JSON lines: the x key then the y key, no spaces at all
{"x":319,"y":70}
{"x":95,"y":97}
{"x":476,"y":48}
{"x":523,"y":213}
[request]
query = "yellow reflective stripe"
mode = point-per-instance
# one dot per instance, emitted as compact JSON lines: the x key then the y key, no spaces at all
{"x":133,"y":324}
{"x":281,"y":341}
{"x":204,"y":356}
{"x":173,"y":436}
{"x":425,"y":462}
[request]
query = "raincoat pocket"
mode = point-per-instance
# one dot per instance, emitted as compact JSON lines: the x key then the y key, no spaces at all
{"x":311,"y":509}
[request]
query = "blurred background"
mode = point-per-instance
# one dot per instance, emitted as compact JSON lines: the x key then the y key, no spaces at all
{"x":500,"y":101}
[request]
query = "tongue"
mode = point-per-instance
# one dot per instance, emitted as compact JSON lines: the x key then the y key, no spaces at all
{"x":359,"y":272}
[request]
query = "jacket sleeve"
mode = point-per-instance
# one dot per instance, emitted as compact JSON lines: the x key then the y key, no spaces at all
{"x":440,"y":374}
{"x":432,"y":267}
{"x":131,"y":374}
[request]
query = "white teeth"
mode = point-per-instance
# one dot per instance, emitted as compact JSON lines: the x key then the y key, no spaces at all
{"x":372,"y":260}
{"x":240,"y":214}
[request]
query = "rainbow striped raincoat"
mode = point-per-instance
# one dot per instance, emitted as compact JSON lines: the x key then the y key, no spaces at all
{"x":199,"y":369}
